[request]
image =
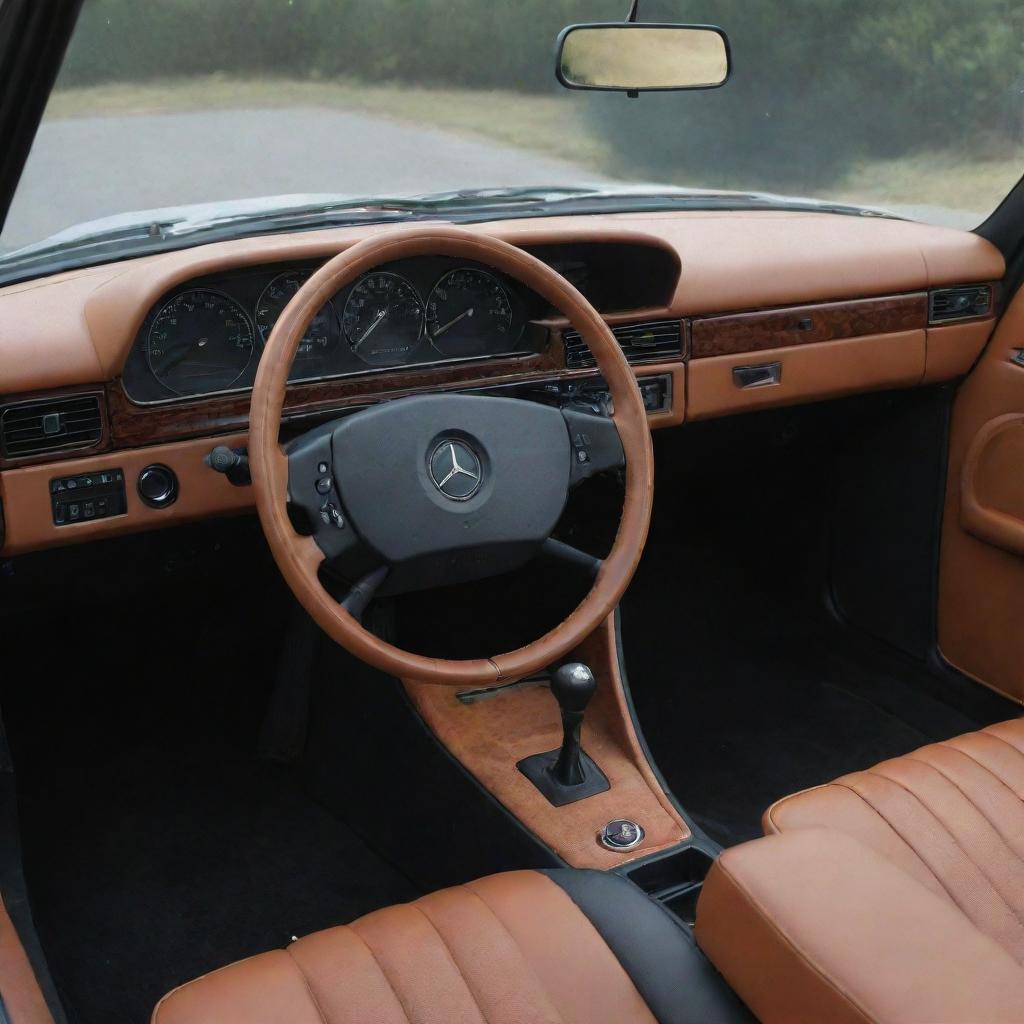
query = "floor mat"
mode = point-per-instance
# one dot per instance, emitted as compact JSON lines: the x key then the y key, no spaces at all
{"x":746,"y":685}
{"x":750,"y":715}
{"x":171,"y":862}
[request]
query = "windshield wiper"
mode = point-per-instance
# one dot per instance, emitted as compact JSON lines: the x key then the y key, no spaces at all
{"x":381,"y":209}
{"x":81,"y":247}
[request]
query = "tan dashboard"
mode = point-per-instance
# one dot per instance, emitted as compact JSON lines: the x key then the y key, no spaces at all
{"x":771,"y":308}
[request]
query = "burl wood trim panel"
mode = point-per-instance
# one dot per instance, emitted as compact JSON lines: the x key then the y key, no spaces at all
{"x":806,"y":325}
{"x":143,"y":424}
{"x":133,"y":426}
{"x":490,"y":737}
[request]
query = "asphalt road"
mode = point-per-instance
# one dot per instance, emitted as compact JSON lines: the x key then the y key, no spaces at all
{"x":85,"y":168}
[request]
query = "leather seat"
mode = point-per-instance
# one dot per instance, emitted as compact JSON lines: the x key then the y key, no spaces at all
{"x":527,"y":947}
{"x":892,"y":894}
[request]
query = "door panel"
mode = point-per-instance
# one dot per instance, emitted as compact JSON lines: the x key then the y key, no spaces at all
{"x":981,"y":569}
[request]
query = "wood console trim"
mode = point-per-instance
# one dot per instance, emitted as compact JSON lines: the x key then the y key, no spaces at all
{"x":489,"y":737}
{"x":805,"y":325}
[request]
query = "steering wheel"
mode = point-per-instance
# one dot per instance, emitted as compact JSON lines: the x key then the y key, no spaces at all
{"x":433,"y":489}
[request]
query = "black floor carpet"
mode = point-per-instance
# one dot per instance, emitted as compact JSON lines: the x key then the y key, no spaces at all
{"x":767,"y":700}
{"x":746,"y":685}
{"x":157,"y":846}
{"x":177,"y":859}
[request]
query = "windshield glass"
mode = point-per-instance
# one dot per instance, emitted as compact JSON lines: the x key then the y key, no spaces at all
{"x":912,"y":107}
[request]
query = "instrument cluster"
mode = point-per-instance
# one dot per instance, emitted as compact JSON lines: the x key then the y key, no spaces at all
{"x":206,"y":336}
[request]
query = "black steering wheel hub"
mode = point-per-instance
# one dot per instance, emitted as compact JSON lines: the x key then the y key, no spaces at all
{"x":440,"y":489}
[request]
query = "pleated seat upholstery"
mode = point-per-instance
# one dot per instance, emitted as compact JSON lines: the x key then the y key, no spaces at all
{"x":950,"y":814}
{"x":893,"y":895}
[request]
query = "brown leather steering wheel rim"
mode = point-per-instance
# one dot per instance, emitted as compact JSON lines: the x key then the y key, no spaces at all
{"x":299,"y":557}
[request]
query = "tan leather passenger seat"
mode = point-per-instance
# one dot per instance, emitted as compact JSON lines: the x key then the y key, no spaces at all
{"x":892,"y":894}
{"x":526,"y":947}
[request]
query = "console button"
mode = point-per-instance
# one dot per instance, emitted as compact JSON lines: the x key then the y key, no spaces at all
{"x":622,"y":834}
{"x":158,"y":486}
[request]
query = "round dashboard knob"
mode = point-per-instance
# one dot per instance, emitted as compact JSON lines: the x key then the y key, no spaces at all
{"x":158,"y":486}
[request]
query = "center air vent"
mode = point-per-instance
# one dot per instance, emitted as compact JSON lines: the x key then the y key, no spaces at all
{"x":639,"y":343}
{"x":959,"y":303}
{"x":50,"y":425}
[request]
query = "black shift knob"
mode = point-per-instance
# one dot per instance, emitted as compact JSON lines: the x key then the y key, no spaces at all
{"x":572,"y":686}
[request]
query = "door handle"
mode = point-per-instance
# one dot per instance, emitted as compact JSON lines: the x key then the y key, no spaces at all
{"x":760,"y":376}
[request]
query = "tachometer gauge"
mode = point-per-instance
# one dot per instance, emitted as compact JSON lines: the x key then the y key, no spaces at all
{"x":469,"y":314}
{"x":201,"y":341}
{"x":383,"y":319}
{"x":320,"y":338}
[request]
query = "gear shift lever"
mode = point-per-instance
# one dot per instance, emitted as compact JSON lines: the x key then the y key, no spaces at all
{"x":567,"y":774}
{"x":572,"y":686}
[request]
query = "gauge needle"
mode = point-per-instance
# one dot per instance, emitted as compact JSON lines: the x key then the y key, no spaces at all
{"x":181,"y":356}
{"x":453,"y":322}
{"x":369,"y":330}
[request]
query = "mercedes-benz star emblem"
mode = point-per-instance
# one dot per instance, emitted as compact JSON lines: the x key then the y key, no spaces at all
{"x":455,"y":469}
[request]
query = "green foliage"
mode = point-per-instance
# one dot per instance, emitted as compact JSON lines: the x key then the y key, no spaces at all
{"x":479,"y":43}
{"x":816,"y":83}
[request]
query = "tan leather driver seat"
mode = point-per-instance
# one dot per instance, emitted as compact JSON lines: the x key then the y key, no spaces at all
{"x":892,"y":894}
{"x":527,"y":947}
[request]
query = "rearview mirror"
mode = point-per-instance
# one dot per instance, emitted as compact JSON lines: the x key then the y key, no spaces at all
{"x":628,"y":57}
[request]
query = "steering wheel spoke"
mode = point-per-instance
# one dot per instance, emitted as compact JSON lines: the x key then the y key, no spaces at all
{"x":596,"y":445}
{"x":572,"y":557}
{"x":314,"y":502}
{"x":363,"y":591}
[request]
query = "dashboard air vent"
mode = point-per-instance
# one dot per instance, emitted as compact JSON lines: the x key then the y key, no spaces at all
{"x":50,"y":425}
{"x":639,"y":343}
{"x":959,"y":303}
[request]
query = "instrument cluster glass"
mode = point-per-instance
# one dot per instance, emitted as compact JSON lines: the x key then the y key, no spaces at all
{"x":383,"y":319}
{"x":321,"y":337}
{"x":206,"y":337}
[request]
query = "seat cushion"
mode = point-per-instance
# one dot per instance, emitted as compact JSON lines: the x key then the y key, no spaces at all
{"x":518,"y":948}
{"x":894,"y":894}
{"x":813,"y":926}
{"x":950,"y":815}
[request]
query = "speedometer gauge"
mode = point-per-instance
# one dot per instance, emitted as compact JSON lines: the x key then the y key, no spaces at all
{"x":469,"y":314}
{"x":383,"y":319}
{"x":321,"y":336}
{"x":201,"y":341}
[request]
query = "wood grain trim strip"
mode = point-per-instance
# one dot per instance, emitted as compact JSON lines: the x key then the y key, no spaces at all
{"x":134,"y":425}
{"x":806,"y":325}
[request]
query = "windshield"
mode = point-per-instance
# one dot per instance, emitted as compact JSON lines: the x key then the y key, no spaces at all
{"x":913,"y":107}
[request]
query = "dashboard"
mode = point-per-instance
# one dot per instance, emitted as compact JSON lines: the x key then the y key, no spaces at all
{"x":124,"y":377}
{"x":205,"y":336}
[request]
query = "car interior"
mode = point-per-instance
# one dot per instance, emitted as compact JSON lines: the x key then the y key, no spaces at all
{"x":587,"y":617}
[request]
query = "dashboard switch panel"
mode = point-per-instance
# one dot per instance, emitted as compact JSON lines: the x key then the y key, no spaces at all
{"x":79,"y":499}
